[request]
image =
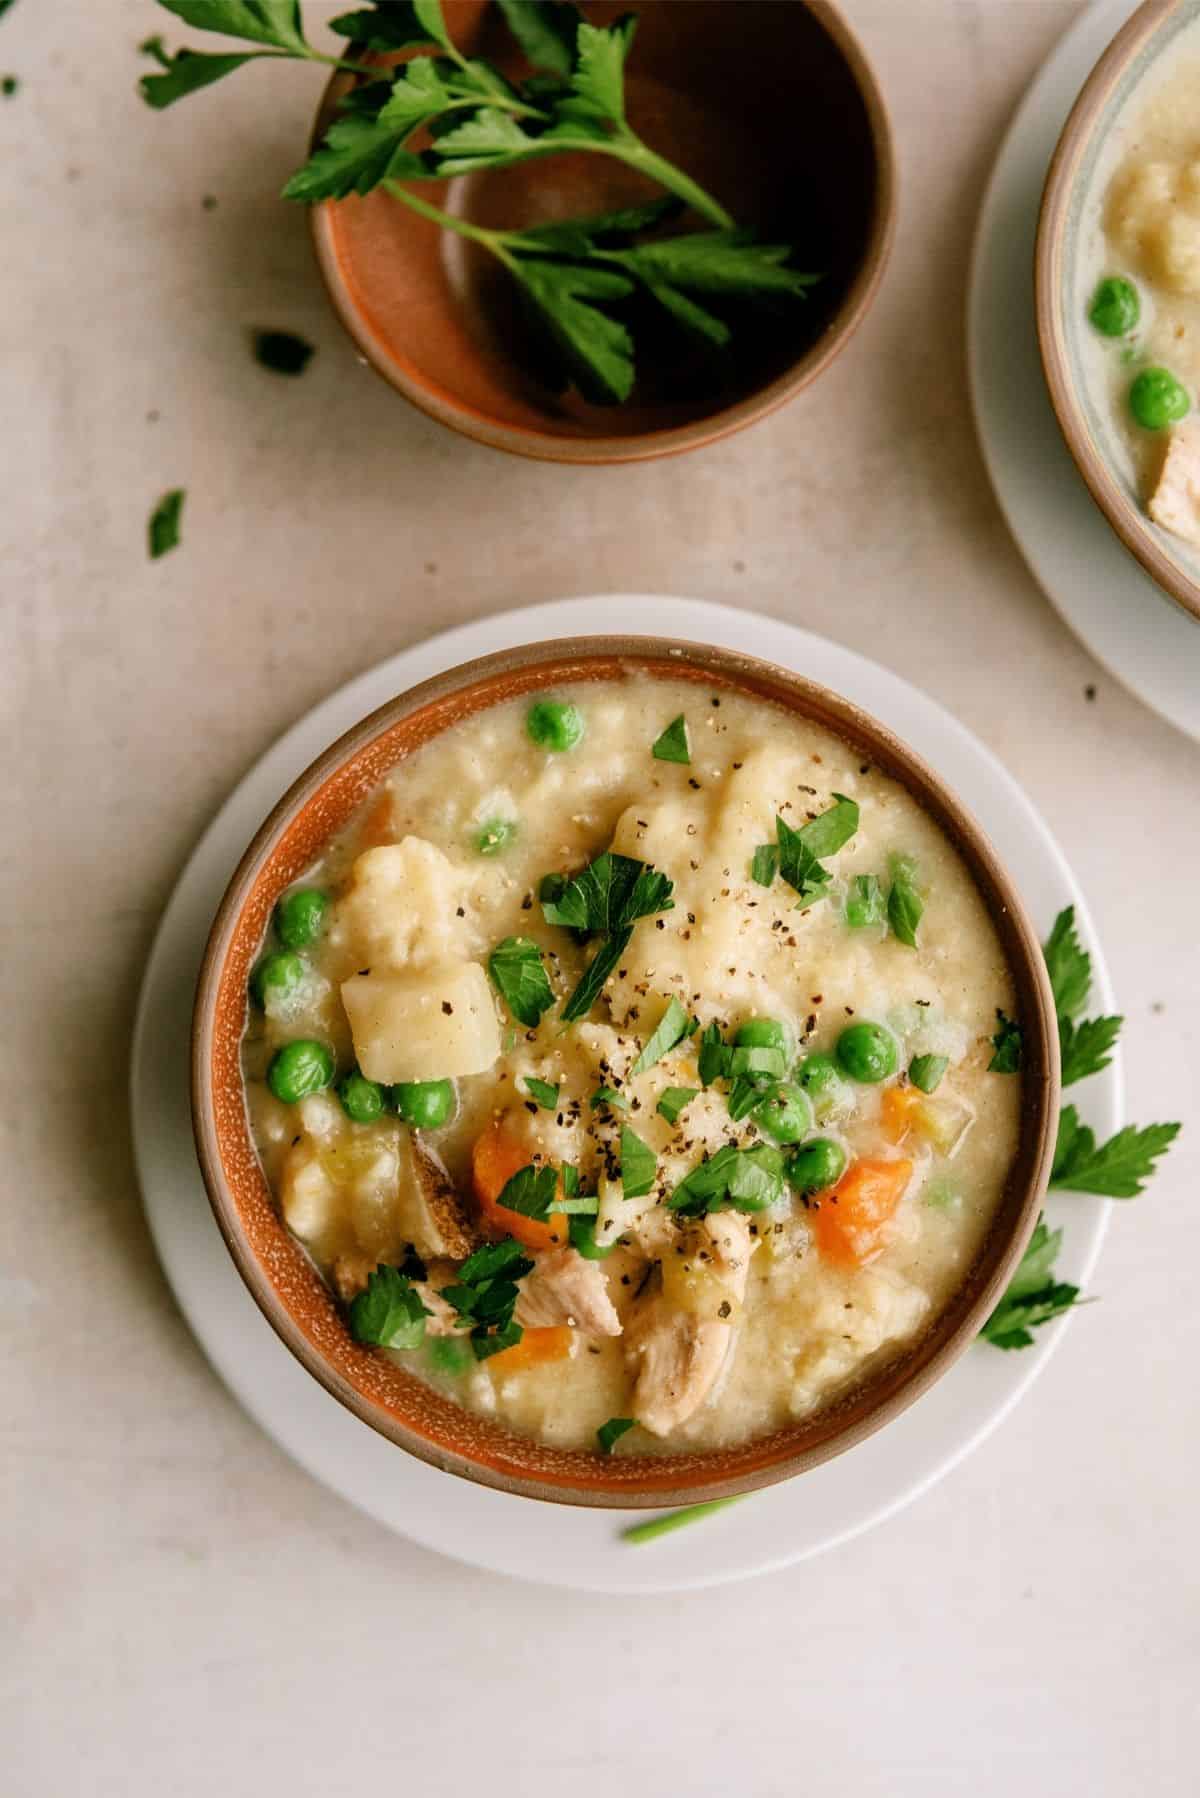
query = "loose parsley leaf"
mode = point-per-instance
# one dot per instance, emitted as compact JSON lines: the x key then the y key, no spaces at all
{"x":1008,"y":1044}
{"x":1068,"y":965}
{"x":764,"y":865}
{"x":608,"y":1095}
{"x":745,"y":1094}
{"x":515,"y":966}
{"x":1117,"y":1169}
{"x":596,"y":351}
{"x":638,"y":1164}
{"x":581,"y":1205}
{"x":830,"y":830}
{"x":282,"y":352}
{"x":598,"y":81}
{"x":1086,"y":1047}
{"x":357,"y":154}
{"x":864,"y":902}
{"x":530,"y":1191}
{"x":429,"y":16}
{"x":163,"y":529}
{"x":188,"y":71}
{"x":926,"y":1071}
{"x":391,"y":27}
{"x":713,"y":1055}
{"x":541,"y":1090}
{"x":674,"y":1100}
{"x":388,"y":1314}
{"x":612,"y":1431}
{"x":275,"y":22}
{"x":611,"y":892}
{"x":485,"y":1295}
{"x":1033,"y":1296}
{"x":546,"y":31}
{"x":722,"y":262}
{"x":748,"y":1179}
{"x":905,"y":904}
{"x":672,"y":1027}
{"x":798,"y":865}
{"x":673,"y":745}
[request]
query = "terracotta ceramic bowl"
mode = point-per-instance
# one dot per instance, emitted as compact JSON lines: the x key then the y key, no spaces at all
{"x":1075,"y":183}
{"x":296,"y":1301}
{"x":769,"y":104}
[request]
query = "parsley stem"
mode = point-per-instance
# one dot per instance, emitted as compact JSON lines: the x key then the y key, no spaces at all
{"x":630,"y":149}
{"x":675,"y":1520}
{"x":491,"y":240}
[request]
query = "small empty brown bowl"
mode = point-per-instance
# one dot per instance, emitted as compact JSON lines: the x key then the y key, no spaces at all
{"x":285,"y":1283}
{"x":769,"y":105}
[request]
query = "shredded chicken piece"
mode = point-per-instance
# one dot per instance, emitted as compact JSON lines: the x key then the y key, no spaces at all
{"x":443,"y":1318}
{"x":1175,"y":502}
{"x":351,"y":1273}
{"x":678,"y":1354}
{"x":434,"y":1215}
{"x":564,"y":1288}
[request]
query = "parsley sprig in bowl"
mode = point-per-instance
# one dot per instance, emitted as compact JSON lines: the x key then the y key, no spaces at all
{"x":579,"y":233}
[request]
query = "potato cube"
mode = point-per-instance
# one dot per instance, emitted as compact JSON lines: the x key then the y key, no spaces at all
{"x":434,"y":1025}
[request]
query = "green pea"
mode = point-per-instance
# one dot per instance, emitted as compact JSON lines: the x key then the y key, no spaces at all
{"x":298,"y":1069}
{"x":867,"y":1052}
{"x":425,"y":1104}
{"x":819,"y":1076}
{"x":1115,"y":307}
{"x":495,"y":836}
{"x":276,"y":978}
{"x":582,"y":1231}
{"x":300,"y":917}
{"x":784,"y":1113}
{"x":817,"y":1165}
{"x":554,"y":724}
{"x":763,"y":1033}
{"x":362,"y":1099}
{"x":1157,"y":399}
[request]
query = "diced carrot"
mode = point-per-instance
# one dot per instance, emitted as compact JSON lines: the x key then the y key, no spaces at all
{"x":900,"y":1111}
{"x":379,"y":825}
{"x":849,"y":1221}
{"x":496,"y":1157}
{"x":535,"y":1347}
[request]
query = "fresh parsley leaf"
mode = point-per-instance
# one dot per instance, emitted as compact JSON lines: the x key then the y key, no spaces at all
{"x":430,"y":18}
{"x":612,"y":1431}
{"x":611,"y":892}
{"x":758,"y":1059}
{"x":830,"y":830}
{"x":744,"y":1095}
{"x":585,"y":1204}
{"x":188,"y":71}
{"x":358,"y":153}
{"x":578,"y":237}
{"x":388,"y":1314}
{"x":485,"y":1295}
{"x":541,"y":1090}
{"x":1117,"y":1169}
{"x":713,"y":1055}
{"x":282,"y":352}
{"x":764,"y":864}
{"x":674,"y":1100}
{"x":275,"y":22}
{"x":864,"y":902}
{"x":493,"y":1339}
{"x":1068,"y":965}
{"x":608,"y":1095}
{"x":515,"y":966}
{"x":1086,"y":1047}
{"x":602,"y":964}
{"x":1008,"y":1045}
{"x":638,"y":1164}
{"x":672,"y":1027}
{"x":530,"y":1191}
{"x":163,"y":530}
{"x":905,"y":904}
{"x":391,"y":27}
{"x":673,"y":745}
{"x":798,"y":865}
{"x":598,"y":80}
{"x":546,"y":31}
{"x":489,"y":138}
{"x":926,"y":1071}
{"x":596,"y":351}
{"x":720,"y":262}
{"x":1033,"y":1296}
{"x":748,"y":1179}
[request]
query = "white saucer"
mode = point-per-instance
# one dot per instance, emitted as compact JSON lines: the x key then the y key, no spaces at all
{"x":559,"y":1544}
{"x":1141,"y":636}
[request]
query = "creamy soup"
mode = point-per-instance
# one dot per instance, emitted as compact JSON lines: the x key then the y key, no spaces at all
{"x":1142,"y":295}
{"x":625,"y":1065}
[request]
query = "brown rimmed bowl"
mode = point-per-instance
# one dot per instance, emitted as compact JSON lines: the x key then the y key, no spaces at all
{"x":283,"y":1281}
{"x":1076,"y":176}
{"x":797,"y":145}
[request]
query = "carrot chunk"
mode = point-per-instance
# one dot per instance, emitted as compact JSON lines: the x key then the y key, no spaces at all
{"x":535,"y":1347}
{"x":496,"y":1157}
{"x":849,"y":1221}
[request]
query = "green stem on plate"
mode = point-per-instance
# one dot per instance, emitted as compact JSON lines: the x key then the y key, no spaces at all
{"x":676,"y":1520}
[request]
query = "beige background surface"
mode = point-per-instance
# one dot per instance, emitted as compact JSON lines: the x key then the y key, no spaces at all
{"x":184,"y":1611}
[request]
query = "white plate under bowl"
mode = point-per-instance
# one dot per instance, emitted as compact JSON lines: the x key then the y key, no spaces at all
{"x":1141,"y":636}
{"x":563,"y":1544}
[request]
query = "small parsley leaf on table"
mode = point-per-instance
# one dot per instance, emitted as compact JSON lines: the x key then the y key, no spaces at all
{"x":515,"y":966}
{"x":1086,"y":1048}
{"x":163,"y":530}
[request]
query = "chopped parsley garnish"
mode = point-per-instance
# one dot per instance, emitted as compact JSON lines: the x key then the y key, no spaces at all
{"x":388,"y":1313}
{"x":864,"y":902}
{"x":515,"y":966}
{"x":1086,"y":1045}
{"x":608,"y":1095}
{"x":673,"y":1101}
{"x":530,"y":1191}
{"x":1008,"y":1046}
{"x":1117,"y":1169}
{"x":746,"y":1179}
{"x":583,"y":1204}
{"x":485,"y":1294}
{"x":673,"y":745}
{"x":541,"y":1090}
{"x":638,"y":1164}
{"x":764,"y":864}
{"x":672,"y":1027}
{"x":163,"y":529}
{"x":607,"y":897}
{"x":282,"y":352}
{"x":612,"y":1431}
{"x":796,"y":854}
{"x":926,"y":1071}
{"x":1033,"y":1296}
{"x":905,"y":904}
{"x":749,"y":1066}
